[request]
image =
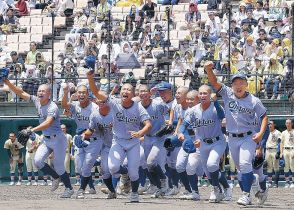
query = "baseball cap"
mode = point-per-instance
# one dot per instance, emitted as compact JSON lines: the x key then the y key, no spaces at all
{"x":13,"y":53}
{"x":239,"y":75}
{"x":163,"y":86}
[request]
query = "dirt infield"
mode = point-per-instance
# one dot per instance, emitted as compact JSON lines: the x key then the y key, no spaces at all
{"x":40,"y":197}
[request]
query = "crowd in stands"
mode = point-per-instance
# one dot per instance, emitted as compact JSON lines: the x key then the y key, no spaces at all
{"x":254,"y":37}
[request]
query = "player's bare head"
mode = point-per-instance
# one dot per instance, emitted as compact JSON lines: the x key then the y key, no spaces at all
{"x":289,"y":124}
{"x":44,"y":92}
{"x":63,"y":127}
{"x":82,"y":93}
{"x":137,"y":89}
{"x":192,"y":98}
{"x":272,"y":125}
{"x":12,"y":136}
{"x":181,"y":94}
{"x":144,"y":92}
{"x":102,"y":103}
{"x":205,"y":93}
{"x":127,"y":92}
{"x":239,"y":87}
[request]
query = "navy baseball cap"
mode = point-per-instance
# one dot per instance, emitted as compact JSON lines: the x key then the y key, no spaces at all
{"x":163,"y":86}
{"x":239,"y":75}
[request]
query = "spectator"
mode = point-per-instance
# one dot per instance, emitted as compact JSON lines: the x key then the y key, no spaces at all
{"x":65,"y":8}
{"x":80,"y":45}
{"x":241,"y":13}
{"x":149,"y":9}
{"x":14,"y":150}
{"x":80,"y":22}
{"x":10,"y":21}
{"x":129,"y":26}
{"x":31,"y":56}
{"x":91,"y":49}
{"x":212,"y":4}
{"x":15,"y":59}
{"x":275,"y":73}
{"x":178,"y":67}
{"x":68,"y":148}
{"x":249,"y":49}
{"x":213,"y":25}
{"x":262,"y":41}
{"x":170,"y":2}
{"x":22,"y":8}
{"x":134,"y":12}
{"x":274,"y":48}
{"x":3,"y":8}
{"x":102,"y":9}
{"x":235,"y":30}
{"x":259,"y":12}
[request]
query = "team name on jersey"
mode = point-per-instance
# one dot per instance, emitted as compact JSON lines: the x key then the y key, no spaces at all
{"x":154,"y":117}
{"x":201,"y":122}
{"x":81,"y":117}
{"x":235,"y":107}
{"x":121,"y":118}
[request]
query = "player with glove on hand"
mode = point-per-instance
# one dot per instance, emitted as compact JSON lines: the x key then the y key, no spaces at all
{"x":54,"y":139}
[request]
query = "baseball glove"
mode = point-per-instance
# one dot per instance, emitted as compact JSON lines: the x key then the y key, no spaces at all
{"x":78,"y":141}
{"x":257,"y":162}
{"x":23,"y":136}
{"x":168,"y":144}
{"x":277,"y":156}
{"x":3,"y":75}
{"x":165,"y":130}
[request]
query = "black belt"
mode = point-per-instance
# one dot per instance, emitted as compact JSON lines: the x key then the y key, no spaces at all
{"x":91,"y":139}
{"x":211,"y":140}
{"x":239,"y":135}
{"x":50,"y":137}
{"x":269,"y":148}
{"x":288,"y":147}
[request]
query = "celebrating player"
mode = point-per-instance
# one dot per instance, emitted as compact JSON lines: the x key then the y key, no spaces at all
{"x":241,"y":108}
{"x":54,"y":139}
{"x":127,"y":118}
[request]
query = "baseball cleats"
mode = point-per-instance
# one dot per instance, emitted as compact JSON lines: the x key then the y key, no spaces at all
{"x":158,"y":194}
{"x":67,"y":193}
{"x":11,"y":183}
{"x":245,"y":199}
{"x":174,"y":191}
{"x":292,"y":185}
{"x":134,"y":197}
{"x":29,"y":183}
{"x":78,"y":183}
{"x":105,"y":190}
{"x":262,"y":196}
{"x":191,"y":196}
{"x":44,"y":183}
{"x":287,"y":185}
{"x":125,"y":183}
{"x":228,"y":194}
{"x":270,"y":185}
{"x":35,"y":183}
{"x":18,"y":183}
{"x":231,"y":185}
{"x":80,"y":194}
{"x":216,"y":196}
{"x":152,"y":189}
{"x":141,"y":190}
{"x":91,"y":191}
{"x":112,"y":195}
{"x":164,"y":185}
{"x":55,"y":184}
{"x":255,"y":188}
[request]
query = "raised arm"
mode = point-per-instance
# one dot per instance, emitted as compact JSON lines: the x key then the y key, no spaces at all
{"x":208,"y":67}
{"x":18,"y":91}
{"x":65,"y":104}
{"x":95,"y":90}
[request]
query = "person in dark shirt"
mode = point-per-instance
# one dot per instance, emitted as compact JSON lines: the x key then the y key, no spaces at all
{"x":235,"y":31}
{"x":250,"y":20}
{"x":149,"y":9}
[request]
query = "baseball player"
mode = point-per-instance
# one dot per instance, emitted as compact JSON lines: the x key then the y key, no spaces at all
{"x":188,"y":160}
{"x":154,"y":151}
{"x":177,"y":111}
{"x":101,"y":123}
{"x":31,"y":148}
{"x":128,"y":116}
{"x":81,"y":111}
{"x":54,"y":139}
{"x":287,"y":151}
{"x":14,"y":151}
{"x":272,"y":155}
{"x":241,"y":108}
{"x":206,"y":119}
{"x":166,"y":97}
{"x":68,"y":149}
